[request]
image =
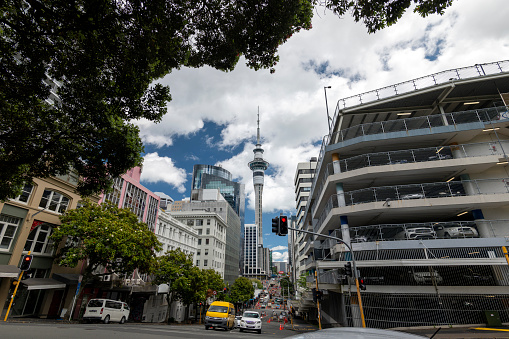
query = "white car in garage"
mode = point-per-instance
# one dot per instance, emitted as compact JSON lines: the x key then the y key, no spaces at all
{"x":251,"y":321}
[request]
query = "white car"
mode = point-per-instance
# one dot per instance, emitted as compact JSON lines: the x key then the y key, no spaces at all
{"x":251,"y":321}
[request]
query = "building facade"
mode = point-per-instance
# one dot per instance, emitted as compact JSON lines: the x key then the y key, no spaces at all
{"x":129,"y":193}
{"x":174,"y":234}
{"x":415,"y":180}
{"x":25,"y":225}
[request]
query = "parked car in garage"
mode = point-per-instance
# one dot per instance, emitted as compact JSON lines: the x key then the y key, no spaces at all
{"x":414,"y":233}
{"x":456,"y":231}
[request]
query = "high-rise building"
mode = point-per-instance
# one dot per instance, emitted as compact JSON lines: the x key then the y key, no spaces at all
{"x":414,"y":177}
{"x":215,"y":177}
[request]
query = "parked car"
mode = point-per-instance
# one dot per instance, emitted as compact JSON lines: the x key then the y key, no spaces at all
{"x":414,"y":233}
{"x":412,"y":196}
{"x":106,"y":310}
{"x":238,"y":318}
{"x":427,"y":277}
{"x":251,"y":321}
{"x":456,"y":231}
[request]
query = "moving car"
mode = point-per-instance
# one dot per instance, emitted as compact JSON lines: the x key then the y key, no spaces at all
{"x":251,"y":321}
{"x":220,"y":314}
{"x":106,"y":310}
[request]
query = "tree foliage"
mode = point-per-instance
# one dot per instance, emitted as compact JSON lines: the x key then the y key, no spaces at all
{"x":378,"y":14}
{"x":286,"y":286}
{"x":105,"y":236}
{"x":187,"y":283}
{"x":259,"y":284}
{"x":242,"y":290}
{"x":104,"y":56}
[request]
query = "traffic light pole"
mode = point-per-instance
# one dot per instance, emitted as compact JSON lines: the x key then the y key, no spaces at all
{"x":14,"y":294}
{"x":356,"y":276}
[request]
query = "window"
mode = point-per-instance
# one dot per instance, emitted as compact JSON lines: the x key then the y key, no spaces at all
{"x":8,"y":227}
{"x":199,"y":241}
{"x":199,"y":232}
{"x":25,"y":194}
{"x":208,"y":221}
{"x":206,"y":252}
{"x":199,"y":222}
{"x":205,"y":262}
{"x":197,"y":262}
{"x":190,"y":222}
{"x":206,"y":241}
{"x":38,"y":240}
{"x":208,"y":231}
{"x":198,"y":253}
{"x":54,"y":201}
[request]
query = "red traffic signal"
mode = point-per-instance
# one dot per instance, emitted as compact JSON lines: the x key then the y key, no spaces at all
{"x":26,"y":262}
{"x":362,"y":285}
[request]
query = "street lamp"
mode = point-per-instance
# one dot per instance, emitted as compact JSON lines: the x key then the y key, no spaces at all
{"x":327,"y":106}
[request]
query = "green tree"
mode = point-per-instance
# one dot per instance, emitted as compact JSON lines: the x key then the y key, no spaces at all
{"x":259,"y":284}
{"x":103,"y":57}
{"x":379,"y":14}
{"x":242,"y":290}
{"x":286,"y":286}
{"x":175,"y":268}
{"x":104,"y":236}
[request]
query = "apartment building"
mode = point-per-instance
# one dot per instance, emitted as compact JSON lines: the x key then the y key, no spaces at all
{"x":25,"y":225}
{"x":414,"y":177}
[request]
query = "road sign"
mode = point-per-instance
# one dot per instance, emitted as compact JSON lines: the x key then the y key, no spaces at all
{"x":214,"y":292}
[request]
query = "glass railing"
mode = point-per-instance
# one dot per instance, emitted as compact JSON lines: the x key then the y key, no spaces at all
{"x":412,"y":192}
{"x":413,"y":156}
{"x":427,"y":122}
{"x":424,"y":82}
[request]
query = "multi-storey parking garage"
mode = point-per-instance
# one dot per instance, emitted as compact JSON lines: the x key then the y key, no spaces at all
{"x":415,"y":177}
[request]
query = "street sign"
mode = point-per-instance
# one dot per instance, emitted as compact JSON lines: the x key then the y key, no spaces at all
{"x":281,"y":272}
{"x":214,"y":292}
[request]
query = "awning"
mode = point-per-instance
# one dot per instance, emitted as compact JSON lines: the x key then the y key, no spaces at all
{"x":9,"y":271}
{"x":66,"y":278}
{"x":42,"y":284}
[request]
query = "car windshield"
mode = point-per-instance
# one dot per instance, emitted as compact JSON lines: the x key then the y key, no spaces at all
{"x":251,"y":315}
{"x":218,"y":309}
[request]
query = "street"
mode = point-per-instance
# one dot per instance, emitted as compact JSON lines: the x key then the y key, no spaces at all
{"x":53,"y":329}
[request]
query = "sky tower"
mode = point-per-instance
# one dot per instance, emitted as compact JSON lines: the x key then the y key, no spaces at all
{"x":258,"y":166}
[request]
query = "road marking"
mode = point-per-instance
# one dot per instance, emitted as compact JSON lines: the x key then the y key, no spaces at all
{"x":489,"y":329}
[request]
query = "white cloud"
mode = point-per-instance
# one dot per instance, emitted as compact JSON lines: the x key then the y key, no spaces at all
{"x":279,"y":248}
{"x":157,"y":168}
{"x":278,"y":256}
{"x":335,"y":52}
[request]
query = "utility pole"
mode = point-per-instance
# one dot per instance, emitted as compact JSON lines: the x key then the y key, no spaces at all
{"x":356,"y":275}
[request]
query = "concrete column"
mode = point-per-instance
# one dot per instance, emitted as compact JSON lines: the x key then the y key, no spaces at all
{"x":345,"y":231}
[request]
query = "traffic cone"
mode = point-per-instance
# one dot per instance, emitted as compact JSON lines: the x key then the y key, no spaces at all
{"x":280,"y":326}
{"x":268,"y":321}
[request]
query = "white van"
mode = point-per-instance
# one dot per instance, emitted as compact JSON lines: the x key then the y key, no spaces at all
{"x":106,"y":310}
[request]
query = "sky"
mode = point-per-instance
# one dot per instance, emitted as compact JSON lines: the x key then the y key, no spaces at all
{"x":212,"y":117}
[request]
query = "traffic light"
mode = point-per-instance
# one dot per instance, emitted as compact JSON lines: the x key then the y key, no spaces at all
{"x":319,"y":295}
{"x":362,"y":286}
{"x":283,"y":225}
{"x":315,"y":295}
{"x":275,"y":225}
{"x":26,"y":262}
{"x":348,"y":269}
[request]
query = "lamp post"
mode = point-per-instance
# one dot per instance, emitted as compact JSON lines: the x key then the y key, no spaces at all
{"x":327,"y":106}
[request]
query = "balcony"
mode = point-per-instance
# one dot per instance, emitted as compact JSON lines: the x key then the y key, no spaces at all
{"x":408,"y":194}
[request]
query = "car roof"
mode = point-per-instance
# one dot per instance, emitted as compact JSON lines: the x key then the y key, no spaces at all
{"x":355,"y":333}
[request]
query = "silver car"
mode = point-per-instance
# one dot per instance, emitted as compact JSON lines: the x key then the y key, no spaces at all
{"x":457,"y":231}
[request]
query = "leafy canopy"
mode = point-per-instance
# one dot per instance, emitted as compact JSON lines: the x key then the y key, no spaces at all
{"x":106,"y":236}
{"x":378,"y":14}
{"x":103,"y":57}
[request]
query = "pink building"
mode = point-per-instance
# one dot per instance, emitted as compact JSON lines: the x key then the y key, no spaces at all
{"x":129,"y":193}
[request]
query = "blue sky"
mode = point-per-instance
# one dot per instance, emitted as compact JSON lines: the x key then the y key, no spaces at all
{"x":212,"y":117}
